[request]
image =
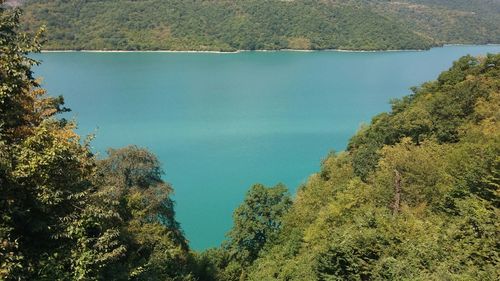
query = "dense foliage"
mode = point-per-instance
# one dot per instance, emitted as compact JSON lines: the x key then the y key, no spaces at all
{"x":416,"y":196}
{"x":228,"y":25}
{"x":64,"y":215}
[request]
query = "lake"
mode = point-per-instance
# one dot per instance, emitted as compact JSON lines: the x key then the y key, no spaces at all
{"x":222,"y":122}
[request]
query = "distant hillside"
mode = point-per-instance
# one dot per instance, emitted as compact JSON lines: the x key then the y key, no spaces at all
{"x":229,"y":25}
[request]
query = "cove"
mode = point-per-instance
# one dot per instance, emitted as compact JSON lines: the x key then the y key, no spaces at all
{"x":222,"y":122}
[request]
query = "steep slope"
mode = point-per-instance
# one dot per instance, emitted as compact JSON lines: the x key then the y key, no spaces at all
{"x":428,"y":205}
{"x":415,"y":196}
{"x":448,"y":21}
{"x":257,"y":24}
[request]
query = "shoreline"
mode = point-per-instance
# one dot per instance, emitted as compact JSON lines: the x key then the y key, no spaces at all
{"x":242,"y":51}
{"x":230,"y":52}
{"x":224,"y":52}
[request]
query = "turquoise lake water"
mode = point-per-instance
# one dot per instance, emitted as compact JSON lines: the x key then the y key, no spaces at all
{"x":222,"y":122}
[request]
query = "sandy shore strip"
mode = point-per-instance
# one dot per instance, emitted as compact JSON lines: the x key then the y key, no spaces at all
{"x":242,"y":51}
{"x":223,"y":52}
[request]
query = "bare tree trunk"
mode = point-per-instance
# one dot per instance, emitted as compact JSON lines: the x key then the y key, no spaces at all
{"x":397,"y":193}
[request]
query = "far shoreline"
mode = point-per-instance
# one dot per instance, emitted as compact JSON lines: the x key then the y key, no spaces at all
{"x":231,"y":52}
{"x":243,"y":51}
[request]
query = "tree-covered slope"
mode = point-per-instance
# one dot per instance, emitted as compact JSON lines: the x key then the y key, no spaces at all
{"x":229,"y":25}
{"x":448,"y":21}
{"x":415,"y":196}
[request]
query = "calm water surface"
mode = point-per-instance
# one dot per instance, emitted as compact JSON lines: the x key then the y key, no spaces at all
{"x":221,"y":122}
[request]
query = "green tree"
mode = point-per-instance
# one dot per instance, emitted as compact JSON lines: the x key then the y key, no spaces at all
{"x":52,"y":225}
{"x":257,"y":221}
{"x":156,"y":247}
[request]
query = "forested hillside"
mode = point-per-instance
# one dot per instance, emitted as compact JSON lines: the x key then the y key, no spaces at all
{"x":415,"y":196}
{"x":228,"y":25}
